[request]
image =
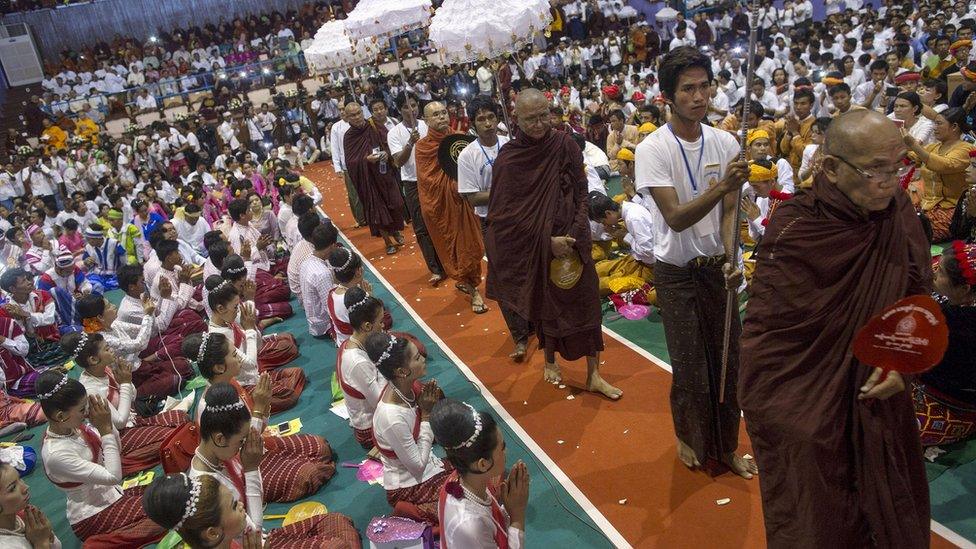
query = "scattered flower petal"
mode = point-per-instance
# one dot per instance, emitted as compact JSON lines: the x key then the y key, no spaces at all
{"x":623,"y":501}
{"x":570,"y":397}
{"x":723,"y":501}
{"x":559,"y":442}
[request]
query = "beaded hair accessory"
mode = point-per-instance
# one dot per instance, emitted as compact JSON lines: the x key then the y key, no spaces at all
{"x":477,"y":430}
{"x":225,"y":407}
{"x":358,"y":304}
{"x":236,"y":270}
{"x":82,"y":341}
{"x":345,"y":265}
{"x":203,"y":346}
{"x":191,"y":501}
{"x":389,"y":349}
{"x":965,"y":263}
{"x":220,"y":286}
{"x":54,"y":390}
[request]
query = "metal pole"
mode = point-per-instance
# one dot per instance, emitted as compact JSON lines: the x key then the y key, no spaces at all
{"x":502,"y":100}
{"x":396,"y":54}
{"x":732,"y":303}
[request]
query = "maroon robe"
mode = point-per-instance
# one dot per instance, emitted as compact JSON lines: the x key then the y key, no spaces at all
{"x":379,"y":192}
{"x":538,"y":191}
{"x":834,"y":471}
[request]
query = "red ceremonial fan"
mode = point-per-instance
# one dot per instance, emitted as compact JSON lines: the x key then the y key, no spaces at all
{"x":908,"y":337}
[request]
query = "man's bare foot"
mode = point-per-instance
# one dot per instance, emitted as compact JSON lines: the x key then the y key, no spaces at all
{"x":434,"y":280}
{"x":745,"y":468}
{"x":478,"y":304}
{"x":463,"y":288}
{"x":552,"y":374}
{"x":687,"y":455}
{"x":519,"y":354}
{"x":269,"y":322}
{"x":597,"y":384}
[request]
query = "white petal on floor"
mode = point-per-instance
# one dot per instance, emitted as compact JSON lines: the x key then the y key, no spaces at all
{"x":723,"y":501}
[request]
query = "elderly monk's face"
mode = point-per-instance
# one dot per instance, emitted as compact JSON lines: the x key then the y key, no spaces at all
{"x":354,"y":115}
{"x":533,"y":115}
{"x":437,"y":117}
{"x":879,"y":155}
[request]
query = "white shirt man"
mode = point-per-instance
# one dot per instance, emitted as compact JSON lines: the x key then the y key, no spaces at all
{"x":146,"y":102}
{"x":397,"y":139}
{"x":228,"y":134}
{"x":660,"y":164}
{"x":316,"y":281}
{"x":337,"y":134}
{"x":474,"y":169}
{"x":192,"y":229}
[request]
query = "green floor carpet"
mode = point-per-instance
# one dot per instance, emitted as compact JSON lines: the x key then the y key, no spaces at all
{"x":554,"y":518}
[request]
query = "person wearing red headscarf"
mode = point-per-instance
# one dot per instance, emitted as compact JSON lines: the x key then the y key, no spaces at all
{"x":837,"y":443}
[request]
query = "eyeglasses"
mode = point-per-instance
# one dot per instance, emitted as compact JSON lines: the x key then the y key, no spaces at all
{"x":876,"y":176}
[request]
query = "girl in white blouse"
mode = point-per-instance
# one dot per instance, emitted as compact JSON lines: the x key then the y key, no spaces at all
{"x":412,"y":474}
{"x":230,"y":452}
{"x":83,"y":460}
{"x":33,"y":531}
{"x":361,"y":383}
{"x":474,"y":514}
{"x":348,"y":269}
{"x":109,"y":377}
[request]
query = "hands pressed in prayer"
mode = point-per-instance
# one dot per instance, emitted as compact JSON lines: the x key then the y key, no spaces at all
{"x":253,"y":540}
{"x":429,"y":396}
{"x":252,"y":452}
{"x":165,"y":288}
{"x":250,"y":289}
{"x":123,"y":371}
{"x":262,"y":394}
{"x":733,"y":276}
{"x":245,"y":250}
{"x":249,"y":318}
{"x":148,"y":306}
{"x":183,"y":274}
{"x":264,"y":241}
{"x":750,"y":208}
{"x":562,"y":245}
{"x":37,"y":528}
{"x":99,"y":415}
{"x":880,"y":386}
{"x":89,"y":262}
{"x":618,"y":232}
{"x":627,"y":185}
{"x":792,"y":124}
{"x":514,"y":493}
{"x":366,"y":286}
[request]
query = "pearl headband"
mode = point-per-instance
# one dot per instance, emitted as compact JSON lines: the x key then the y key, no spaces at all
{"x":389,"y":349}
{"x":224,"y":407}
{"x":358,"y":304}
{"x":54,"y":391}
{"x":192,"y":500}
{"x":345,"y":265}
{"x":82,"y":341}
{"x":203,"y":346}
{"x":477,"y":430}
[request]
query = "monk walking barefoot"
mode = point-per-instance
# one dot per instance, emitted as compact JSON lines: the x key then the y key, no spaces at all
{"x":537,"y":213}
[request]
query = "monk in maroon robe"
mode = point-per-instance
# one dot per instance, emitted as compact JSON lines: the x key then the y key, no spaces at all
{"x":840,"y":463}
{"x":366,"y":152}
{"x":537,"y":211}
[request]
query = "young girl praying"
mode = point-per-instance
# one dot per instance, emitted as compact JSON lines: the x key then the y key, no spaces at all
{"x":294,"y":466}
{"x":347,"y":267}
{"x":361,"y":383}
{"x":237,"y":320}
{"x":412,"y":474}
{"x":83,"y":459}
{"x":473,"y":513}
{"x":109,"y":377}
{"x":154,"y":376}
{"x":230,"y":453}
{"x":22,"y":526}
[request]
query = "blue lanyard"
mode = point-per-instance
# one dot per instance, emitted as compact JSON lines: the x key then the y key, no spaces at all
{"x":488,"y":161}
{"x":701,"y":155}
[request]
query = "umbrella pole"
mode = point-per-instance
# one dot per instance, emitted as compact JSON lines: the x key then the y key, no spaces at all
{"x":352,"y":90}
{"x":502,"y":100}
{"x":396,"y":54}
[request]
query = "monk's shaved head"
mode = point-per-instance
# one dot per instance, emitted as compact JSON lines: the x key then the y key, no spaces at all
{"x":863,"y":151}
{"x":532,"y":112}
{"x":437,"y":117}
{"x":352,"y":113}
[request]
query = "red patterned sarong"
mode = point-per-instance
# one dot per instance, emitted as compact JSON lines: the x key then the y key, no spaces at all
{"x":940,"y":218}
{"x":364,"y":437}
{"x":331,"y":531}
{"x":271,"y":297}
{"x":161,"y":377}
{"x":419,"y":502}
{"x":295,"y":466}
{"x":941,"y":419}
{"x":122,"y":524}
{"x":140,"y":443}
{"x":184,"y":323}
{"x":287,"y":385}
{"x":276,"y":350}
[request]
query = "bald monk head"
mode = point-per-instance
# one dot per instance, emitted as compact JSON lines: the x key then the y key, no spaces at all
{"x":437,"y":118}
{"x":532,"y":111}
{"x":863,"y":150}
{"x":352,"y":113}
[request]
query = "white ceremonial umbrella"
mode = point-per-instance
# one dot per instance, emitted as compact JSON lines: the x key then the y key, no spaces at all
{"x":375,"y":19}
{"x":332,"y":50}
{"x":666,"y":14}
{"x":464,"y":31}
